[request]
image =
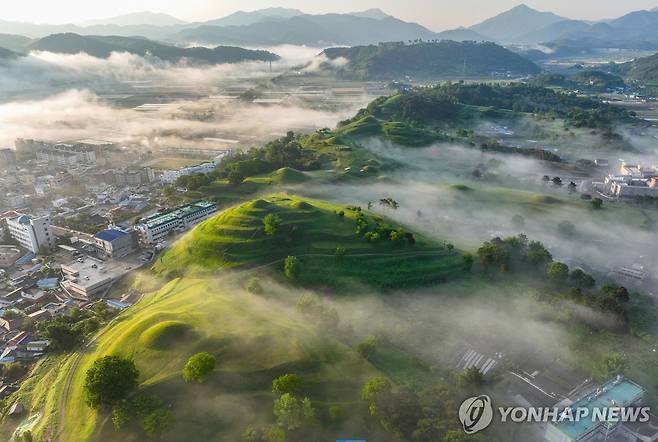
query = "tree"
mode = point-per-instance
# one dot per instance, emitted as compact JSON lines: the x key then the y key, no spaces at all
{"x":122,"y":413}
{"x":291,"y":413}
{"x":62,"y":335}
{"x":271,"y":224}
{"x":566,"y":229}
{"x":110,"y":379}
{"x":198,"y":367}
{"x":254,"y":286}
{"x":467,"y":261}
{"x":581,"y":279}
{"x":597,"y":203}
{"x":613,"y":365}
{"x":376,"y":391}
{"x":622,"y":295}
{"x":340,"y":252}
{"x":537,"y":255}
{"x":291,"y":267}
{"x":287,"y":383}
{"x":368,"y":347}
{"x":518,"y":221}
{"x":471,"y":377}
{"x":157,"y":422}
{"x":250,"y":434}
{"x":274,"y":434}
{"x":557,"y":271}
{"x":235,"y":177}
{"x":557,"y":181}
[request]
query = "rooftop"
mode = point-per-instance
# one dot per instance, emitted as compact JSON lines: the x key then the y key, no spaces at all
{"x":110,"y":234}
{"x":158,"y":219}
{"x":618,"y":392}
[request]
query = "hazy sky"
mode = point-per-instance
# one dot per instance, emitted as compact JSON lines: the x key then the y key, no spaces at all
{"x":435,"y":14}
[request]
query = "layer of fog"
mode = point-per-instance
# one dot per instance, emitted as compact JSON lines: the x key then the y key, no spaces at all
{"x":429,"y":204}
{"x":46,"y":72}
{"x":80,"y":114}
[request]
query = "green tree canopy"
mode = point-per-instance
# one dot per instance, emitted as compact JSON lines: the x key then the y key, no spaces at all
{"x":198,"y":367}
{"x":110,"y":379}
{"x":286,"y":383}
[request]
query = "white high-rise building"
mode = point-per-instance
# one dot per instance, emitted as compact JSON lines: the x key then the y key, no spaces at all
{"x":33,"y":233}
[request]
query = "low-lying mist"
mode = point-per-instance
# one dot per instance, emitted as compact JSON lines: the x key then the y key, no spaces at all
{"x":80,"y":114}
{"x":439,"y":196}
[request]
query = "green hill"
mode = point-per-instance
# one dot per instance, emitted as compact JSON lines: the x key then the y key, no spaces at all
{"x":644,"y":70}
{"x":310,"y":230}
{"x":254,"y":342}
{"x":103,"y":47}
{"x":443,"y":59}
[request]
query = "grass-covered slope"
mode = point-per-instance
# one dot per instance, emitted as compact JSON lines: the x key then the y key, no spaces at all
{"x":253,"y":340}
{"x":312,"y":231}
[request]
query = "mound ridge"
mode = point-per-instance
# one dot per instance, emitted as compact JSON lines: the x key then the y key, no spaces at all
{"x":311,"y":230}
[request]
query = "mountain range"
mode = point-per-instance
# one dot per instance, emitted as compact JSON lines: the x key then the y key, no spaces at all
{"x":520,"y":25}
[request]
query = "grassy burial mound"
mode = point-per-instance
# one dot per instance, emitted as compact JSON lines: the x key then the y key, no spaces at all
{"x":254,"y":341}
{"x":333,"y":244}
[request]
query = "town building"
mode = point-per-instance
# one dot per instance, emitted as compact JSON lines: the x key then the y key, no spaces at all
{"x":115,"y":242}
{"x":154,"y":228}
{"x":87,"y":278}
{"x":32,"y":233}
{"x":633,"y":181}
{"x":170,"y":176}
{"x":618,"y":392}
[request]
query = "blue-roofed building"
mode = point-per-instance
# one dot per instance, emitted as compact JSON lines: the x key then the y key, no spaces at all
{"x":115,"y":242}
{"x":618,"y":392}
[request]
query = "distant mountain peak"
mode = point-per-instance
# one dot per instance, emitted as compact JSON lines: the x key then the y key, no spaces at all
{"x":516,"y":22}
{"x":137,"y":18}
{"x":374,"y":13}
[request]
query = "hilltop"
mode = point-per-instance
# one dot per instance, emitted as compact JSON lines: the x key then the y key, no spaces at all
{"x":103,"y":47}
{"x":518,"y":21}
{"x":311,"y":230}
{"x":443,"y":59}
{"x":644,"y":70}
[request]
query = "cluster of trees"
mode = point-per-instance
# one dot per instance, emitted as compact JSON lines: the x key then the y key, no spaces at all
{"x":514,"y":253}
{"x":293,"y":414}
{"x":517,"y":253}
{"x":426,"y":417}
{"x":381,"y":231}
{"x":287,"y":151}
{"x":111,"y":381}
{"x":531,"y":152}
{"x":66,"y":333}
{"x":443,"y":102}
{"x":587,"y":79}
{"x":195,"y":181}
